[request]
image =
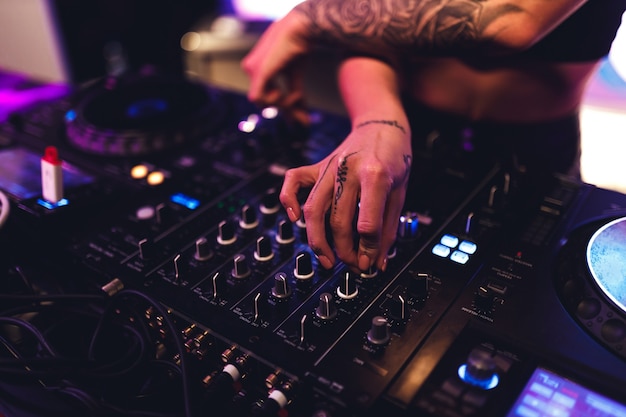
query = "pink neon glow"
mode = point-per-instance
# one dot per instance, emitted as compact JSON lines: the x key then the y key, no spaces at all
{"x":269,"y":10}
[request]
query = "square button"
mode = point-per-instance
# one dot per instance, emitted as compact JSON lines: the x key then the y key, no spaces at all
{"x":441,"y":250}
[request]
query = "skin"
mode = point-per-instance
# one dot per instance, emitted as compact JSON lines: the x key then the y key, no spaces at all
{"x":458,"y":56}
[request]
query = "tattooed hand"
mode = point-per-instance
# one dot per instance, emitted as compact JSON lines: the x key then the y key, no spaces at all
{"x":365,"y":180}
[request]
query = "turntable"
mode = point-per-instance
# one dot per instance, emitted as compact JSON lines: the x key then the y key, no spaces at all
{"x":591,"y":280}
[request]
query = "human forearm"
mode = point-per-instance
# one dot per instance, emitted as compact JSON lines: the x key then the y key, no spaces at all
{"x":370,"y":90}
{"x":428,"y":26}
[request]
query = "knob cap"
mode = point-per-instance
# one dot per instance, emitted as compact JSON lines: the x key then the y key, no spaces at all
{"x":285,"y":232}
{"x":203,"y":250}
{"x":347,"y":288}
{"x":241,"y":269}
{"x":281,"y":286}
{"x":270,"y":203}
{"x":304,"y":266}
{"x":326,"y":310}
{"x":264,"y":251}
{"x":399,"y":309}
{"x":249,"y":219}
{"x":418,"y":286}
{"x":483,"y":299}
{"x":379,"y":333}
{"x":226,"y":233}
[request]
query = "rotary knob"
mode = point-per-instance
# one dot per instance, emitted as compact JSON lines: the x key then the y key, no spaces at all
{"x":483,"y":299}
{"x":248,"y":219}
{"x":281,"y":286}
{"x":347,"y":288}
{"x":326,"y":309}
{"x":270,"y":203}
{"x":203,"y":250}
{"x":303,"y":270}
{"x":240,"y":269}
{"x":263,"y":251}
{"x":399,"y":309}
{"x":480,"y":369}
{"x":226,"y":233}
{"x":379,"y":333}
{"x":285,"y":234}
{"x":418,"y":286}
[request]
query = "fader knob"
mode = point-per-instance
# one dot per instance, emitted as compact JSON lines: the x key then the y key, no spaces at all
{"x":379,"y":333}
{"x":241,"y":269}
{"x":326,"y":310}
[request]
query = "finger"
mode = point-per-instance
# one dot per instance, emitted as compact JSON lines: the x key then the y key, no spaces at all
{"x":295,"y":179}
{"x":343,"y":208}
{"x":391,"y":220}
{"x":370,"y":222}
{"x":315,"y":209}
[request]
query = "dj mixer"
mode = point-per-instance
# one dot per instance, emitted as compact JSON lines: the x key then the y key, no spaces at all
{"x":168,"y":280}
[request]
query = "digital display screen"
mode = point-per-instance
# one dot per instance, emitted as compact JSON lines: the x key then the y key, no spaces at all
{"x":20,"y":173}
{"x":550,"y":395}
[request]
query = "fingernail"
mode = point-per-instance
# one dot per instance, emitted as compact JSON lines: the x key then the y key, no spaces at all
{"x":291,"y":214}
{"x":384,"y":265}
{"x":326,"y":263}
{"x":364,"y":262}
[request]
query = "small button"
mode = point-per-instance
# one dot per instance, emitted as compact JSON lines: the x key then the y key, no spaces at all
{"x":441,"y":250}
{"x":459,"y":257}
{"x":450,"y":241}
{"x":468,"y":247}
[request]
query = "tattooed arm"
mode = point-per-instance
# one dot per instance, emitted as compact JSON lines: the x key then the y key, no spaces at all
{"x":391,"y":28}
{"x":364,"y":180}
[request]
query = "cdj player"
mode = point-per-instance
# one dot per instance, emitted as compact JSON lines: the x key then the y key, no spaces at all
{"x":168,"y":280}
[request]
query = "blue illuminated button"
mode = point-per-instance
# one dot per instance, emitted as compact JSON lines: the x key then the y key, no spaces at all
{"x":450,"y":241}
{"x":185,"y":201}
{"x":459,"y":257}
{"x":441,"y":250}
{"x":468,"y":247}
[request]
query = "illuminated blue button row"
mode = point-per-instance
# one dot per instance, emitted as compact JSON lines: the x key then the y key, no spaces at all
{"x":449,"y":246}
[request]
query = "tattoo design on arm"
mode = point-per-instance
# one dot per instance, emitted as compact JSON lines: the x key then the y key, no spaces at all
{"x":393,"y":123}
{"x":423,"y":26}
{"x":408,"y":160}
{"x":342,"y":176}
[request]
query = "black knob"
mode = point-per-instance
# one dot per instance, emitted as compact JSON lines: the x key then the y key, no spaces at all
{"x":347,"y":288}
{"x":326,"y":309}
{"x":480,"y":369}
{"x":203,"y":250}
{"x":483,"y":299}
{"x":241,"y":269}
{"x":146,"y":248}
{"x":304,"y":266}
{"x":285,"y":232}
{"x":226,"y":233}
{"x":418,"y":286}
{"x":281,"y":286}
{"x":164,"y":214}
{"x":379,"y":333}
{"x":270,"y":203}
{"x":399,"y":309}
{"x":248,"y":219}
{"x":264,"y":251}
